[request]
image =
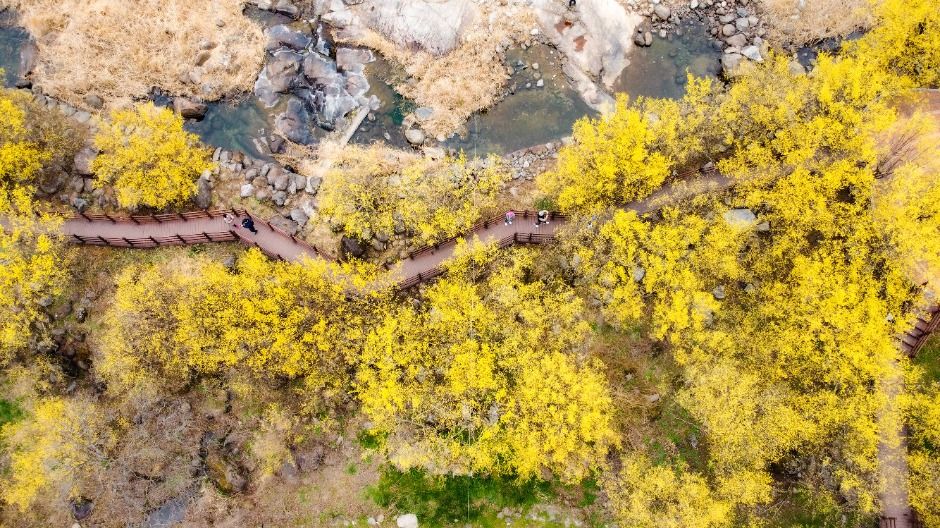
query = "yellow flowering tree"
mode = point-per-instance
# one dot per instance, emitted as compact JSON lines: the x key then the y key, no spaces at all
{"x":376,"y":191}
{"x":267,"y":319}
{"x":644,"y":495}
{"x":613,"y":160}
{"x":148,"y":157}
{"x":487,"y":377}
{"x":20,"y":157}
{"x":48,"y":449}
{"x":781,"y":314}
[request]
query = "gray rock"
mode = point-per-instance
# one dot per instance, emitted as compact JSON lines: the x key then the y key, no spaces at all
{"x":730,"y":63}
{"x":310,"y":459}
{"x":293,"y":123}
{"x":285,"y":7}
{"x":740,"y":218}
{"x":727,"y":18}
{"x":285,"y":224}
{"x":728,"y":30}
{"x":189,"y":108}
{"x":313,"y":184}
{"x":203,"y":194}
{"x":653,"y":398}
{"x":638,"y":273}
{"x":753,"y":53}
{"x":283,"y":36}
{"x":53,"y":183}
{"x":319,"y":69}
{"x":742,"y":24}
{"x":279,"y":197}
{"x":282,"y":69}
{"x":82,"y":116}
{"x":409,"y":520}
{"x":738,"y":41}
{"x":415,"y":136}
{"x":763,"y":227}
{"x":298,"y":215}
{"x":662,"y":11}
{"x":796,"y":68}
{"x":247,"y":190}
{"x":94,"y":101}
{"x":353,"y":59}
{"x":83,"y":161}
{"x":300,"y":181}
{"x":350,"y":247}
{"x":80,"y":204}
{"x":719,"y":293}
{"x":281,"y":181}
{"x":424,"y":113}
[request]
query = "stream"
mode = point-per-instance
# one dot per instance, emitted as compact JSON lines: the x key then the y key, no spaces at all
{"x":530,"y":113}
{"x":11,"y":40}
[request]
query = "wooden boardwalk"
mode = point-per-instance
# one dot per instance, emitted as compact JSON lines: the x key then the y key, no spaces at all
{"x":201,"y":227}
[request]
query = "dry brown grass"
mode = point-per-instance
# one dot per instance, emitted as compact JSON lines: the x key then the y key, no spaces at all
{"x":466,"y":80}
{"x":120,"y":49}
{"x":803,"y":21}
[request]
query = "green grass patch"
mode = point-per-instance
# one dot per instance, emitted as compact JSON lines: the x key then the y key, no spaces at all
{"x":9,"y":412}
{"x":929,"y":359}
{"x":443,"y":501}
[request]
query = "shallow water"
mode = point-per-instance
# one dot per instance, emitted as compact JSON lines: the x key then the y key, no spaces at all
{"x":11,"y":40}
{"x":660,"y":70}
{"x":529,"y":115}
{"x":235,"y":126}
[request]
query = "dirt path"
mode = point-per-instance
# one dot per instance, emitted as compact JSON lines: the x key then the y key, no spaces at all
{"x":892,"y":454}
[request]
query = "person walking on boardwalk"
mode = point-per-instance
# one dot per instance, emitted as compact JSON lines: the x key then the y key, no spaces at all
{"x":249,"y":224}
{"x":510,"y":216}
{"x":541,"y":218}
{"x":229,"y":219}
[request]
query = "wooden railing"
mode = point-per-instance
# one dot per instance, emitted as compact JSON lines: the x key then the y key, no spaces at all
{"x":477,"y":227}
{"x":915,"y":338}
{"x":516,"y":238}
{"x":229,"y":235}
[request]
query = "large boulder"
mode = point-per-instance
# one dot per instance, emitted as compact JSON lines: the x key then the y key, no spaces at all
{"x":350,"y":247}
{"x":294,"y":122}
{"x":319,"y":69}
{"x":435,"y":26}
{"x":280,"y":36}
{"x":353,"y":59}
{"x":203,"y":194}
{"x":277,"y":76}
{"x":29,"y":54}
{"x":731,"y":64}
{"x":82,"y":163}
{"x":190,"y":108}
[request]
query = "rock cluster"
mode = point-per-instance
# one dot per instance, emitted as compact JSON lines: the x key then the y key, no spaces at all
{"x":315,"y":87}
{"x":735,"y":25}
{"x":291,"y":194}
